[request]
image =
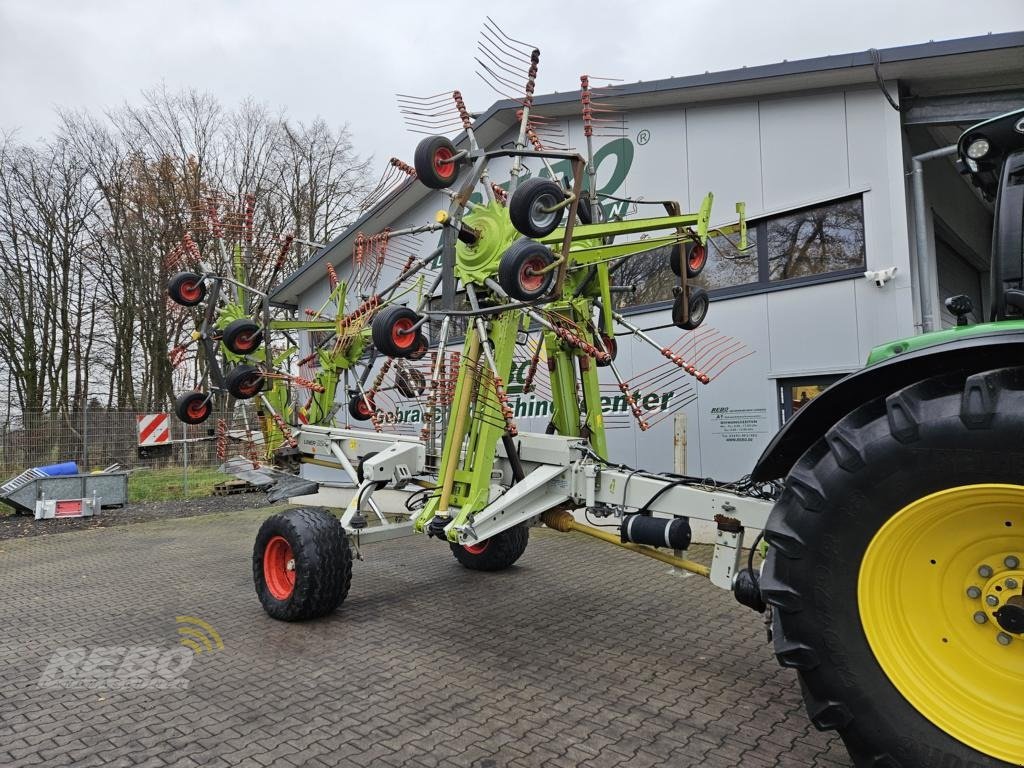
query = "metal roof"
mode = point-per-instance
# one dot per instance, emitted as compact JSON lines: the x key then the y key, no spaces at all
{"x":986,"y":63}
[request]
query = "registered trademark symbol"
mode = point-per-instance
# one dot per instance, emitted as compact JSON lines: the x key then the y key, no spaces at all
{"x":643,"y":137}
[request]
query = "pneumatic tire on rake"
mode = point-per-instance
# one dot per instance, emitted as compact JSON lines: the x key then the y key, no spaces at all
{"x":244,"y":382}
{"x":357,"y":407}
{"x":301,"y":564}
{"x":894,"y":573}
{"x":533,"y":208}
{"x":193,"y":407}
{"x":187,"y":289}
{"x":242,"y":336}
{"x":698,"y":300}
{"x":519,"y":271}
{"x":394,"y":333}
{"x":434,"y":164}
{"x":496,"y":553}
{"x":694,"y":255}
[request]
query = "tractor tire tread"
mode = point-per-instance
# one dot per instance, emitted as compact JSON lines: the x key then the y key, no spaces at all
{"x":844,"y":689}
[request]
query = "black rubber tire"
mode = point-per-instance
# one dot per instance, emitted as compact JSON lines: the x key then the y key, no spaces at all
{"x":357,"y":408}
{"x":699,"y":302}
{"x":187,"y":289}
{"x":193,"y":407}
{"x":410,"y":382}
{"x":244,"y":382}
{"x":429,"y":171}
{"x":611,"y":347}
{"x":688,"y":253}
{"x":323,"y":563}
{"x":524,"y":208}
{"x":933,"y":435}
{"x":696,"y":259}
{"x":384,"y":333}
{"x":242,"y":336}
{"x":522,"y":255}
{"x":584,"y":212}
{"x":501,"y":551}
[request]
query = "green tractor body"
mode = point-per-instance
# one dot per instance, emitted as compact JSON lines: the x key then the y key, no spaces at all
{"x":893,"y":572}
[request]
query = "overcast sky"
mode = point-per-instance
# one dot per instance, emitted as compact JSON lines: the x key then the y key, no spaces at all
{"x":345,"y":61}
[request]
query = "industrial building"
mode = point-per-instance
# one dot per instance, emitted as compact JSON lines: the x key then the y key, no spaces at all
{"x":859,"y":221}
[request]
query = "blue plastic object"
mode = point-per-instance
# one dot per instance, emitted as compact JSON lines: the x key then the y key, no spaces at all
{"x":58,"y":470}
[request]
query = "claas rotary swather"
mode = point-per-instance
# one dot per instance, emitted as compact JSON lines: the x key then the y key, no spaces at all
{"x":892,"y":505}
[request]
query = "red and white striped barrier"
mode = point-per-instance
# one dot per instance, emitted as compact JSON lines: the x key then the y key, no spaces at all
{"x":154,"y":429}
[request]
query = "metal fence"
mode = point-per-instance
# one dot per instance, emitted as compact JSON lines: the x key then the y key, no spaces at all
{"x":97,"y":438}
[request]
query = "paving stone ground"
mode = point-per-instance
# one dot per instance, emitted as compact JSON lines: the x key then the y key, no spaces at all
{"x":581,"y":655}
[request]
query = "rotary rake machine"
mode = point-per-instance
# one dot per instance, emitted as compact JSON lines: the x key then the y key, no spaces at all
{"x":532,"y":264}
{"x":250,"y":353}
{"x":892,"y":505}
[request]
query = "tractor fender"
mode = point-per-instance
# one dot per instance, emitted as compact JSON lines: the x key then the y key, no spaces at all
{"x":809,"y":424}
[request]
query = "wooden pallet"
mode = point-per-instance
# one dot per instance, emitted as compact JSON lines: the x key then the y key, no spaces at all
{"x":231,"y":487}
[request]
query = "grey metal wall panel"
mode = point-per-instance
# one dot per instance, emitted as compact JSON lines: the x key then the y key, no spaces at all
{"x":803,"y":147}
{"x":724,"y":155}
{"x":814,"y":328}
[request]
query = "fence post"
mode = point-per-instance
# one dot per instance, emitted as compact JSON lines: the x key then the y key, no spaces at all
{"x":184,"y":451}
{"x":85,"y":435}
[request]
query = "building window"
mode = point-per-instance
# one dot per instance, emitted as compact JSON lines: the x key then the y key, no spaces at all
{"x":804,"y":245}
{"x":795,"y":393}
{"x":816,"y":241}
{"x":727,"y":266}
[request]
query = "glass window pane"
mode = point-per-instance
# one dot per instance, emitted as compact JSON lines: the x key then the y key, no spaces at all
{"x":727,"y":266}
{"x":815,"y":241}
{"x":653,"y":277}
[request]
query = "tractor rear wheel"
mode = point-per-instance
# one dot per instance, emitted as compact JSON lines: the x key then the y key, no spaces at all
{"x":496,"y":553}
{"x":895,"y":574}
{"x":301,"y":564}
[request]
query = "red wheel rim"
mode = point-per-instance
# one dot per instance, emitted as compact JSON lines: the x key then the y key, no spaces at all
{"x":250,"y":386}
{"x":189,"y":290}
{"x":198,"y":408}
{"x":401,"y":333}
{"x":363,"y":410}
{"x":610,"y":345}
{"x":442,"y":165}
{"x":698,"y":255}
{"x":530,"y":277}
{"x":245,"y":341}
{"x":279,"y":568}
{"x":477,"y":549}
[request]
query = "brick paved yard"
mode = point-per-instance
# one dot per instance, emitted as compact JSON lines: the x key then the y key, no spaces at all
{"x":580,"y":656}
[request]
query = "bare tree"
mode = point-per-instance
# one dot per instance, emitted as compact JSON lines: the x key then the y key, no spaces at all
{"x":91,"y":224}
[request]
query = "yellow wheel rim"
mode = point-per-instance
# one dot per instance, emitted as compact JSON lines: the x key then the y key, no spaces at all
{"x":934,"y":586}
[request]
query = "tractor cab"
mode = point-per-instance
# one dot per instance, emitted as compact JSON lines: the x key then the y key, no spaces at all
{"x":992,"y":153}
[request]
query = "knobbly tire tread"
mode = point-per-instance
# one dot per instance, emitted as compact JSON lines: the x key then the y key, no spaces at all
{"x":323,"y":561}
{"x":504,"y":549}
{"x":938,"y":433}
